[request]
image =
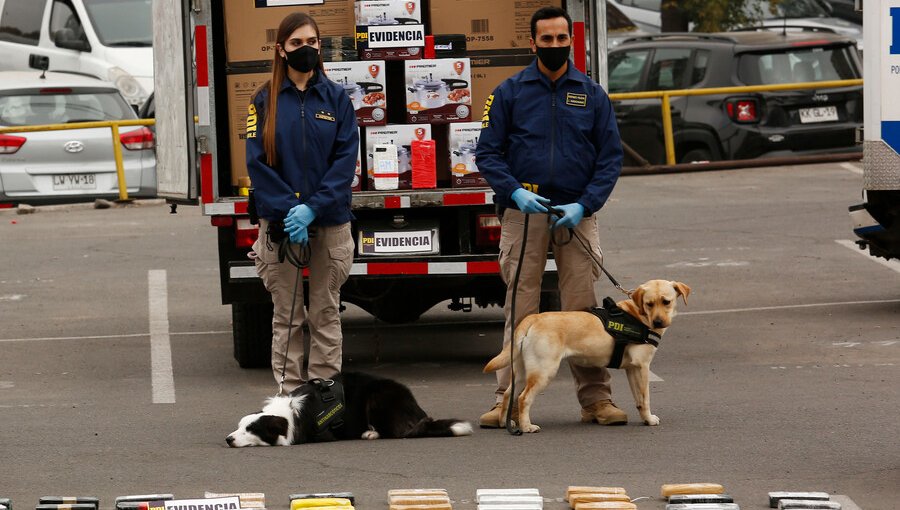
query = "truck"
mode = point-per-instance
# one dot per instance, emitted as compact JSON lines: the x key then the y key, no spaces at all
{"x":195,"y":168}
{"x":876,"y":221}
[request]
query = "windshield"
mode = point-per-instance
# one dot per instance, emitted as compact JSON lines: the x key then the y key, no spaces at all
{"x":122,"y":22}
{"x":797,"y":66}
{"x":63,"y":108}
{"x":785,"y":8}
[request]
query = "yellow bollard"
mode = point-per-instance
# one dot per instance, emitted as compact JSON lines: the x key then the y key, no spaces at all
{"x":668,"y":137}
{"x":120,"y":167}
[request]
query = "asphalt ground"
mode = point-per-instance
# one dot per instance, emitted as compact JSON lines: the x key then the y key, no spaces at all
{"x":781,"y":373}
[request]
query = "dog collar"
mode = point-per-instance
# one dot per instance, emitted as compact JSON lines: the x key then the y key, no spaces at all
{"x":625,"y":330}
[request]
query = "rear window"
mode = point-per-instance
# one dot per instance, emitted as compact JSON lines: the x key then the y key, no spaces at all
{"x":126,"y":23}
{"x":797,"y":65}
{"x":20,"y":21}
{"x":27,"y":110}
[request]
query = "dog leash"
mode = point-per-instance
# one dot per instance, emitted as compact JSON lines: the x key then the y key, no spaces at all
{"x":299,"y":260}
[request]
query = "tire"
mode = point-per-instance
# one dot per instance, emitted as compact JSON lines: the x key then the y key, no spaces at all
{"x":696,"y":155}
{"x":252,"y":329}
{"x":550,"y":301}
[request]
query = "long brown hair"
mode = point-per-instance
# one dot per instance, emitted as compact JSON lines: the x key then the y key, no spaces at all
{"x":288,"y":25}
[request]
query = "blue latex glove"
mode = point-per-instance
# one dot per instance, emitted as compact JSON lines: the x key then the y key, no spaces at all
{"x":299,"y":217}
{"x":528,"y":202}
{"x":300,"y":236}
{"x":572,"y":215}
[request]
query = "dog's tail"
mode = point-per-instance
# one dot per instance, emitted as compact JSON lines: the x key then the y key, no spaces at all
{"x":429,"y":427}
{"x":503,"y":359}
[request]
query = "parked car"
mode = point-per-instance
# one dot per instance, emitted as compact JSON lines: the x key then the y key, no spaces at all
{"x":738,"y":126}
{"x":68,"y":165}
{"x":793,"y":13}
{"x":846,"y":10}
{"x":109,"y":40}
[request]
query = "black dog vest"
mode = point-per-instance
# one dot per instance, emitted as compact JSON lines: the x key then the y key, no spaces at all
{"x":624,"y":329}
{"x":327,"y":404}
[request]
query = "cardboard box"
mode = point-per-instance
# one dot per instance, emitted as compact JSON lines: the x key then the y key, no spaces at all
{"x":463,"y":169}
{"x":240,"y":89}
{"x":400,"y":135}
{"x":439,"y":90}
{"x":388,"y":12}
{"x":252,"y":27}
{"x":488,"y":72}
{"x":488,"y":24}
{"x":366,"y":85}
{"x":390,"y":42}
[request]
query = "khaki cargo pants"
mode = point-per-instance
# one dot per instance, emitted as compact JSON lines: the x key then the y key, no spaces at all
{"x":577,"y":274}
{"x":329,"y":266}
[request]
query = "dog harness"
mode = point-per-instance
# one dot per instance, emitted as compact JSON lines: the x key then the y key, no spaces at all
{"x":327,"y":402}
{"x":624,"y":329}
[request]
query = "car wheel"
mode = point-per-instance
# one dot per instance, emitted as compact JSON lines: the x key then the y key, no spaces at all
{"x":252,"y":329}
{"x":696,"y":155}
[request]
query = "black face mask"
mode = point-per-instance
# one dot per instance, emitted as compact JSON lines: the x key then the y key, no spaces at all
{"x":553,"y":58}
{"x":303,"y":59}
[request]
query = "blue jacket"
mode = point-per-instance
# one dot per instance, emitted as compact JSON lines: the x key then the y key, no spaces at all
{"x":317,"y":142}
{"x":558,"y":140}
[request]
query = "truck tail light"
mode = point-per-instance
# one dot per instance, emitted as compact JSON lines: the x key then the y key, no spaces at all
{"x":245,"y":233}
{"x":743,"y":110}
{"x":138,"y":139}
{"x":487,"y":230}
{"x":10,"y":144}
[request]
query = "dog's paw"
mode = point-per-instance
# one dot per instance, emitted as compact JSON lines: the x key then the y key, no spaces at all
{"x":531,"y":429}
{"x":371,"y":435}
{"x":653,"y":420}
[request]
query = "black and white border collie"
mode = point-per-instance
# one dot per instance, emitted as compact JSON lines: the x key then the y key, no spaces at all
{"x":374,"y":408}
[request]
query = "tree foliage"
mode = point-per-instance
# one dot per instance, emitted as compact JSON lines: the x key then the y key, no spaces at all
{"x":719,"y":15}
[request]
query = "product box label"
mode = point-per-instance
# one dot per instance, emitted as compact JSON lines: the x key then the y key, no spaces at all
{"x":400,"y":135}
{"x":439,"y":90}
{"x":365,"y":85}
{"x":388,"y":12}
{"x":464,"y":171}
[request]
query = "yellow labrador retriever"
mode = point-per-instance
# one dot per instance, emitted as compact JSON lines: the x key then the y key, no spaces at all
{"x":543,"y":340}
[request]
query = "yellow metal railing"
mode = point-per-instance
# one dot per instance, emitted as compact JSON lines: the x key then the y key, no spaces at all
{"x":114,"y":125}
{"x":665,"y":96}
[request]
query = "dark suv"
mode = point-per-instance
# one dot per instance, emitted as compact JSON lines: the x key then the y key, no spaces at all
{"x":738,"y":126}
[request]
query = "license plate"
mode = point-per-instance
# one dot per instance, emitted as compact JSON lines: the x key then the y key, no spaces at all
{"x":68,"y":182}
{"x":819,"y":114}
{"x":407,"y":242}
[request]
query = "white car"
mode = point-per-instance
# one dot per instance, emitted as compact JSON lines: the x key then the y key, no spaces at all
{"x":792,"y":13}
{"x":68,"y":165}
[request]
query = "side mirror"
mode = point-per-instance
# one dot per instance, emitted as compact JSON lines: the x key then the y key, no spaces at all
{"x":39,"y":62}
{"x":66,"y":39}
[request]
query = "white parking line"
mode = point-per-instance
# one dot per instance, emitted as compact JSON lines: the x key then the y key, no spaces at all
{"x":788,"y":307}
{"x":852,"y":168}
{"x":846,"y":243}
{"x":110,"y":337}
{"x":162,"y":378}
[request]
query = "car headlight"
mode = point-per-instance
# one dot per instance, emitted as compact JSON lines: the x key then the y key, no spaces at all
{"x":127,"y":85}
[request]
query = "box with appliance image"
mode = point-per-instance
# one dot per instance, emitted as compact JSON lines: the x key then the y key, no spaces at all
{"x":439,"y":90}
{"x":365,"y":84}
{"x":463,"y":141}
{"x":389,"y":155}
{"x":389,"y":29}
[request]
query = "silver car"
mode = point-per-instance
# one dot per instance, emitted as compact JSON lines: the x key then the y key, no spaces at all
{"x":69,"y":165}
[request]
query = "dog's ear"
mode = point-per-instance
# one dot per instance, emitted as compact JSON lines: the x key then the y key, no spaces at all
{"x":637,"y":295}
{"x":683,"y":290}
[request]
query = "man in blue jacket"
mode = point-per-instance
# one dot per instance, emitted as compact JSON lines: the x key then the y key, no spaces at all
{"x":549,"y":137}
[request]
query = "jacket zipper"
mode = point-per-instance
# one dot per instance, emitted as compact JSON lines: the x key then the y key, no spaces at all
{"x":305,"y":171}
{"x":552,"y":133}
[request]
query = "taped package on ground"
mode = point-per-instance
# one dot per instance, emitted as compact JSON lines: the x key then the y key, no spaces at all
{"x":775,"y":497}
{"x":608,"y":505}
{"x":808,"y":504}
{"x":703,"y":506}
{"x":65,"y":506}
{"x":254,"y":500}
{"x":438,"y":506}
{"x":671,"y":489}
{"x":482,"y":493}
{"x":320,"y":502}
{"x":69,"y":500}
{"x":687,"y":499}
{"x":322,"y":495}
{"x":498,"y":499}
{"x":419,"y":500}
{"x":580,"y":489}
{"x":416,"y":492}
{"x":594,"y":497}
{"x":510,"y":506}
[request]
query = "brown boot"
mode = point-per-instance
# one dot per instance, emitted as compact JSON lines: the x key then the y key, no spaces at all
{"x":604,"y":412}
{"x":491,"y":419}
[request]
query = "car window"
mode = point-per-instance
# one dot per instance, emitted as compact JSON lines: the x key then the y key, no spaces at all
{"x":625,"y":70}
{"x":650,"y":5}
{"x":32,"y":109}
{"x":669,"y":68}
{"x":20,"y":21}
{"x":796,"y":66}
{"x":701,"y":62}
{"x":122,"y":22}
{"x":64,"y":18}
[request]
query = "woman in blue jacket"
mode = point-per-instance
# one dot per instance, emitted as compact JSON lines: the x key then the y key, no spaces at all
{"x":302,"y":143}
